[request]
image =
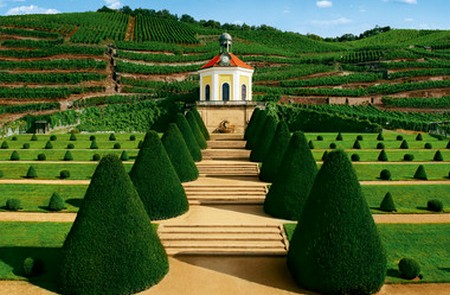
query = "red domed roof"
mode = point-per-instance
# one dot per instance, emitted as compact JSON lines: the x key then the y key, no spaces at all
{"x":234,"y":62}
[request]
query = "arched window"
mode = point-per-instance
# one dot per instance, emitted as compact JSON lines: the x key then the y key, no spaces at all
{"x":226,"y":92}
{"x":207,"y":93}
{"x":244,"y":92}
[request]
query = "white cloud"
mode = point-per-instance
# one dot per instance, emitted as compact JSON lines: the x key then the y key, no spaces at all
{"x":31,"y":9}
{"x":409,"y":20}
{"x":332,"y":22}
{"x":324,"y":4}
{"x":113,"y":4}
{"x":409,"y":2}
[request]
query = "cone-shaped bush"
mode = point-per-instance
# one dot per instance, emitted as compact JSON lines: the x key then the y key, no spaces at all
{"x":311,"y":144}
{"x":124,"y":156}
{"x":4,"y":145}
{"x":421,"y":173}
{"x":383,"y":156}
{"x":68,"y":156}
{"x":31,"y":173}
{"x":190,"y":117}
{"x":48,"y":145}
{"x":94,"y":145}
{"x":387,"y":205}
{"x":56,"y":203}
{"x":277,"y":149}
{"x":380,"y":136}
{"x":448,"y":145}
{"x":294,"y":179}
{"x":357,"y":145}
{"x":189,"y":137}
{"x":324,"y":155}
{"x":179,"y":154}
{"x":200,"y":123}
{"x":404,"y":145}
{"x":251,"y":124}
{"x":438,"y":156}
{"x":157,"y":181}
{"x":339,"y":137}
{"x":259,"y":124}
{"x":112,"y":248}
{"x":336,"y":248}
{"x":112,"y":137}
{"x":419,"y":137}
{"x":73,"y":137}
{"x":258,"y":154}
{"x":34,"y":137}
{"x":14,"y":156}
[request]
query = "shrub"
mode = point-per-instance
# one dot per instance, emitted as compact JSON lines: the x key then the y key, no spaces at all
{"x":112,"y":248}
{"x":435,"y":205}
{"x":189,"y":137}
{"x":319,"y":138}
{"x":64,"y":174}
{"x":335,"y":216}
{"x":385,"y":174}
{"x":383,"y":156}
{"x":380,"y":146}
{"x":53,"y":137}
{"x":292,"y":184}
{"x":275,"y":154}
{"x":339,"y":137}
{"x":428,"y":146}
{"x":408,"y":157}
{"x":32,"y":267}
{"x":380,"y":136}
{"x":438,"y":156}
{"x":324,"y":155}
{"x":419,"y":137}
{"x":70,"y":146}
{"x":14,"y":156}
{"x":41,"y":157}
{"x":157,"y":181}
{"x":96,"y":157}
{"x":117,"y":146}
{"x":68,"y":156}
{"x":139,"y":146}
{"x":421,"y":174}
{"x":311,"y":144}
{"x":31,"y":173}
{"x":359,"y":137}
{"x":200,"y":123}
{"x":112,"y":137}
{"x":124,"y":156}
{"x":254,"y":135}
{"x":13,"y":204}
{"x":14,"y":138}
{"x":179,"y":154}
{"x":132,"y":137}
{"x":448,"y":145}
{"x":73,"y":137}
{"x":94,"y":145}
{"x":357,"y":145}
{"x":33,"y":137}
{"x":409,"y":268}
{"x":251,"y":124}
{"x":56,"y":203}
{"x":399,"y":138}
{"x":259,"y":152}
{"x":48,"y":145}
{"x":332,"y":145}
{"x":92,"y":137}
{"x":190,"y":117}
{"x":1,"y":173}
{"x":387,"y":205}
{"x":355,"y":158}
{"x":4,"y":145}
{"x":26,"y":146}
{"x":404,"y":145}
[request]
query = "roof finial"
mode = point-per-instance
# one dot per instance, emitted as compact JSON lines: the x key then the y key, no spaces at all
{"x":225,"y":41}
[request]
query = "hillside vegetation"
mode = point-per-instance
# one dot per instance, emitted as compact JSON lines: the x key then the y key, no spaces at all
{"x":52,"y":63}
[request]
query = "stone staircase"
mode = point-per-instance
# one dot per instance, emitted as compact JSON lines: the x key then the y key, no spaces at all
{"x":224,"y":169}
{"x":261,"y":240}
{"x":226,"y":147}
{"x":251,"y":194}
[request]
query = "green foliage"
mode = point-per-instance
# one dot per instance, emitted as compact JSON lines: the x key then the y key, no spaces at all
{"x":5,"y":145}
{"x":275,"y":154}
{"x":399,"y":137}
{"x":132,"y":137}
{"x":190,"y":117}
{"x":112,"y":248}
{"x":68,"y":156}
{"x":335,"y":216}
{"x":64,"y":174}
{"x":428,"y":146}
{"x":48,"y":145}
{"x":438,"y":156}
{"x":34,"y":137}
{"x":333,"y":146}
{"x":387,"y":205}
{"x":380,"y":136}
{"x":92,"y":137}
{"x":41,"y":157}
{"x":14,"y":156}
{"x":112,"y":137}
{"x":357,"y":145}
{"x":32,"y":267}
{"x":189,"y":137}
{"x":291,"y":186}
{"x":149,"y":28}
{"x":70,"y":146}
{"x":26,"y":146}
{"x":179,"y":154}
{"x":339,"y":137}
{"x":319,"y":138}
{"x":253,"y":136}
{"x":419,"y":137}
{"x":435,"y":205}
{"x":355,"y":158}
{"x":385,"y":174}
{"x":156,"y":180}
{"x":404,"y":145}
{"x":259,"y":153}
{"x":251,"y":124}
{"x":117,"y":146}
{"x":409,"y":268}
{"x":53,"y":137}
{"x":311,"y":144}
{"x":383,"y":156}
{"x":13,"y":204}
{"x":420,"y":173}
{"x":73,"y":137}
{"x":56,"y":203}
{"x":408,"y":157}
{"x":31,"y":173}
{"x":96,"y":157}
{"x":200,"y":123}
{"x":124,"y":156}
{"x":93,"y":145}
{"x":380,"y":146}
{"x":359,"y":137}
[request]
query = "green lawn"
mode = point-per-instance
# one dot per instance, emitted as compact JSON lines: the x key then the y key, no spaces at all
{"x":371,"y":155}
{"x":426,"y":243}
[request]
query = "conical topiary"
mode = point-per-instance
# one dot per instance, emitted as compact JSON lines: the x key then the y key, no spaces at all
{"x":336,"y":248}
{"x":124,"y":156}
{"x":73,"y":137}
{"x":251,"y":124}
{"x":48,"y":145}
{"x":189,"y":137}
{"x":357,"y":145}
{"x":438,"y":156}
{"x":421,"y":174}
{"x":157,"y":181}
{"x":311,"y":144}
{"x":383,"y":156}
{"x":201,"y":123}
{"x":112,"y":248}
{"x":448,"y":145}
{"x":259,"y":124}
{"x":387,"y":205}
{"x":94,"y":145}
{"x":339,"y":137}
{"x":34,"y":137}
{"x":112,"y":137}
{"x":15,"y":156}
{"x":5,"y":145}
{"x":179,"y":154}
{"x":68,"y":156}
{"x":404,"y":145}
{"x":293,"y":182}
{"x":190,"y":117}
{"x":258,"y":154}
{"x":31,"y":173}
{"x":380,"y":136}
{"x":419,"y":137}
{"x":275,"y":154}
{"x":56,"y":203}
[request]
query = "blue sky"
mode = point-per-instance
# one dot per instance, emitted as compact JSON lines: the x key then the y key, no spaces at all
{"x":327,"y":18}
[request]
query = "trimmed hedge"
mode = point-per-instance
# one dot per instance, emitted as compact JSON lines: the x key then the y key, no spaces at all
{"x":388,"y":205}
{"x":200,"y":123}
{"x":68,"y":156}
{"x":124,"y":156}
{"x":380,"y":136}
{"x":156,"y":180}
{"x":404,"y":145}
{"x":13,"y":204}
{"x":48,"y":145}
{"x":311,"y":144}
{"x":435,"y":205}
{"x":56,"y":203}
{"x":64,"y":174}
{"x":421,"y":174}
{"x":419,"y":137}
{"x":26,"y":146}
{"x":34,"y":137}
{"x":112,"y":137}
{"x":335,"y":216}
{"x":380,"y":146}
{"x":5,"y":145}
{"x":275,"y":154}
{"x":409,"y":268}
{"x":438,"y":156}
{"x":294,"y":179}
{"x":31,"y":173}
{"x":41,"y":157}
{"x":96,"y":157}
{"x":259,"y":152}
{"x":112,"y":248}
{"x":93,"y":145}
{"x":73,"y":137}
{"x":251,"y":124}
{"x":254,"y":135}
{"x":383,"y":156}
{"x":190,"y":117}
{"x":357,"y":145}
{"x":339,"y":137}
{"x":14,"y":156}
{"x":179,"y":154}
{"x":189,"y":137}
{"x":408,"y":157}
{"x":385,"y":174}
{"x":355,"y":158}
{"x":117,"y":146}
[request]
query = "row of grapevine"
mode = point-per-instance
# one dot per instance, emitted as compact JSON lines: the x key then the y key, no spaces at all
{"x":44,"y":22}
{"x":32,"y":43}
{"x":56,"y":64}
{"x":163,"y":57}
{"x":416,"y":102}
{"x":45,"y":92}
{"x":53,"y":51}
{"x":289,"y":72}
{"x":420,"y":73}
{"x":107,"y":100}
{"x":132,"y":68}
{"x":29,"y":33}
{"x":21,"y":108}
{"x":362,"y":56}
{"x":332,"y":80}
{"x":163,"y":30}
{"x":65,"y":78}
{"x":183,"y":86}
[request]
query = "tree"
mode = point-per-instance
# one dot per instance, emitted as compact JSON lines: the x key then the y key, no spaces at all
{"x":383,"y":156}
{"x":388,"y":205}
{"x":421,"y":174}
{"x":190,"y":117}
{"x":258,"y":154}
{"x":189,"y":137}
{"x":251,"y":124}
{"x":200,"y":123}
{"x":156,"y":180}
{"x":336,"y":248}
{"x":112,"y":248}
{"x":179,"y":154}
{"x":293,"y":181}
{"x":253,"y":137}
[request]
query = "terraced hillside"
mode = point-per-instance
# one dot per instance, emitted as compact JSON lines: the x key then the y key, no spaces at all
{"x":52,"y":63}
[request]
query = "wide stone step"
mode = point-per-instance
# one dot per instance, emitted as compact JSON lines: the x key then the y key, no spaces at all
{"x":226,"y":136}
{"x":226,"y":144}
{"x":226,"y":190}
{"x":227,"y":252}
{"x":225,"y":154}
{"x":263,"y":237}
